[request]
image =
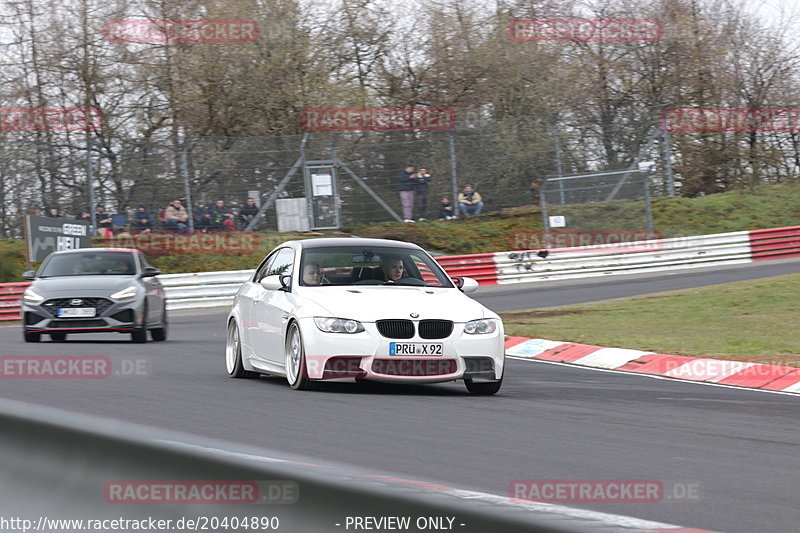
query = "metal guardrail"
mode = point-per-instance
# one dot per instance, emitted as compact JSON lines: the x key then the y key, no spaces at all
{"x":635,"y":257}
{"x":56,"y":465}
{"x":212,"y":289}
{"x":10,"y":295}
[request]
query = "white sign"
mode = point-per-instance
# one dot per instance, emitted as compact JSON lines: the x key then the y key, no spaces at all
{"x":322,"y":184}
{"x":558,"y":222}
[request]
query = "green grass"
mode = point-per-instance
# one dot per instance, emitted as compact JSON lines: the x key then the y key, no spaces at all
{"x":753,"y":320}
{"x":762,"y":207}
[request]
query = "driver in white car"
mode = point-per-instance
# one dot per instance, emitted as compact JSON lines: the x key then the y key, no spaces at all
{"x":392,"y":268}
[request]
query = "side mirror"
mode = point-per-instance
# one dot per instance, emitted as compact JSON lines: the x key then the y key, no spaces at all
{"x":150,"y":272}
{"x":29,"y":275}
{"x":466,"y":285}
{"x":276,"y":283}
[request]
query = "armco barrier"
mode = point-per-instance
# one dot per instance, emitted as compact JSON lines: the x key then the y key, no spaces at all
{"x":60,"y":465}
{"x":482,"y":267}
{"x":777,"y":243}
{"x":211,"y":289}
{"x":10,"y":295}
{"x":636,"y":257}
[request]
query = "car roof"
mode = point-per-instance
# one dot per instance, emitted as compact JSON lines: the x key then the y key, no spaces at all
{"x":353,"y":241}
{"x":115,"y":250}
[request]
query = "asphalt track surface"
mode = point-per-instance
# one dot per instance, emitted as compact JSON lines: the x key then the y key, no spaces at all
{"x":736,"y":448}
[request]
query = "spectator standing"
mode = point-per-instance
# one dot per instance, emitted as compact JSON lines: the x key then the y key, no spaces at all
{"x":406,"y":184}
{"x":470,"y":202}
{"x":53,"y":213}
{"x":202,"y":217}
{"x":247,"y":213}
{"x":219,"y":212}
{"x":421,"y":193}
{"x":104,"y":221}
{"x":176,"y":216}
{"x":446,"y":210}
{"x":85,"y":216}
{"x":142,"y":219}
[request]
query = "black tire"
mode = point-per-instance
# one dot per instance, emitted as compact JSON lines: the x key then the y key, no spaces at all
{"x":140,"y":334}
{"x":301,"y":381}
{"x":32,"y":337}
{"x":58,"y":337}
{"x":160,"y":334}
{"x":236,"y":369}
{"x":485,"y":388}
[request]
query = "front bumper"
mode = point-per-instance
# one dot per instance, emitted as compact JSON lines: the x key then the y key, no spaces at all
{"x":365,"y":355}
{"x":122,"y":317}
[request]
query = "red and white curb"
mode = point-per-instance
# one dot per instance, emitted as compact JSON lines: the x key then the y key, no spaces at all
{"x":700,"y":369}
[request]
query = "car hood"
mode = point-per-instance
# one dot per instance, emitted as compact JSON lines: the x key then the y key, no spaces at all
{"x":90,"y":286}
{"x":368,"y":304}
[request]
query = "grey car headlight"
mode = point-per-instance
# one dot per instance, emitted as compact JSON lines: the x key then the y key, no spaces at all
{"x":31,"y":297}
{"x":338,"y":325}
{"x":126,"y":293}
{"x":479,"y":327}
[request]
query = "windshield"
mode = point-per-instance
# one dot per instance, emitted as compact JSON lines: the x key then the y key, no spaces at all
{"x":357,"y":265}
{"x":89,"y":263}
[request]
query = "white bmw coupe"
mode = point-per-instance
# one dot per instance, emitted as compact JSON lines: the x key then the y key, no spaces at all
{"x":363,"y":309}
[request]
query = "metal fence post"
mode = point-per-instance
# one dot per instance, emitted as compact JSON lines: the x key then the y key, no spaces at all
{"x":665,"y":147}
{"x":647,"y":208}
{"x":185,"y":175}
{"x":454,"y":171}
{"x":545,"y":220}
{"x":90,"y":182}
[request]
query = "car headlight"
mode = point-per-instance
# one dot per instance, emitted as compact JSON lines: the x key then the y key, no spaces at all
{"x":338,"y":325}
{"x":126,"y":293}
{"x":478,"y":327}
{"x":31,"y":297}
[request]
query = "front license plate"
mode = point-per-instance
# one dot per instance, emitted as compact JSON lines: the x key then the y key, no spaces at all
{"x":76,"y":312}
{"x":415,"y":348}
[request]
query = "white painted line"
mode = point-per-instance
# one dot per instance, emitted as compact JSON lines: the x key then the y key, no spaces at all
{"x":472,"y":495}
{"x":654,"y":376}
{"x":610,"y":357}
{"x":533,"y":347}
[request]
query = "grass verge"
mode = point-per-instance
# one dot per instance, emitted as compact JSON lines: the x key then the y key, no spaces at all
{"x":753,"y":320}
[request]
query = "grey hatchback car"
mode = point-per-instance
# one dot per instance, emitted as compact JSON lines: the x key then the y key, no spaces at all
{"x":94,"y":290}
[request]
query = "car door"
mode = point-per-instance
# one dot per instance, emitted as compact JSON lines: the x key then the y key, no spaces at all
{"x":154,"y":293}
{"x":271,"y":310}
{"x":250,"y":290}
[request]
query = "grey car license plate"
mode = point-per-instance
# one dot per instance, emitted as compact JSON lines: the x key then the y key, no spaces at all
{"x":415,"y":348}
{"x":76,"y":312}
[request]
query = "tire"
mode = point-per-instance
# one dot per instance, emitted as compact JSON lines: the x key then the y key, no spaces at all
{"x":32,"y":337}
{"x":233,"y":354}
{"x":58,"y":337}
{"x":486,"y":388}
{"x":160,"y":334}
{"x":140,"y":334}
{"x":296,"y":371}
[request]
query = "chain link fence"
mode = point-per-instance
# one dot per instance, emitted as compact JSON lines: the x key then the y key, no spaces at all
{"x":507,"y":162}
